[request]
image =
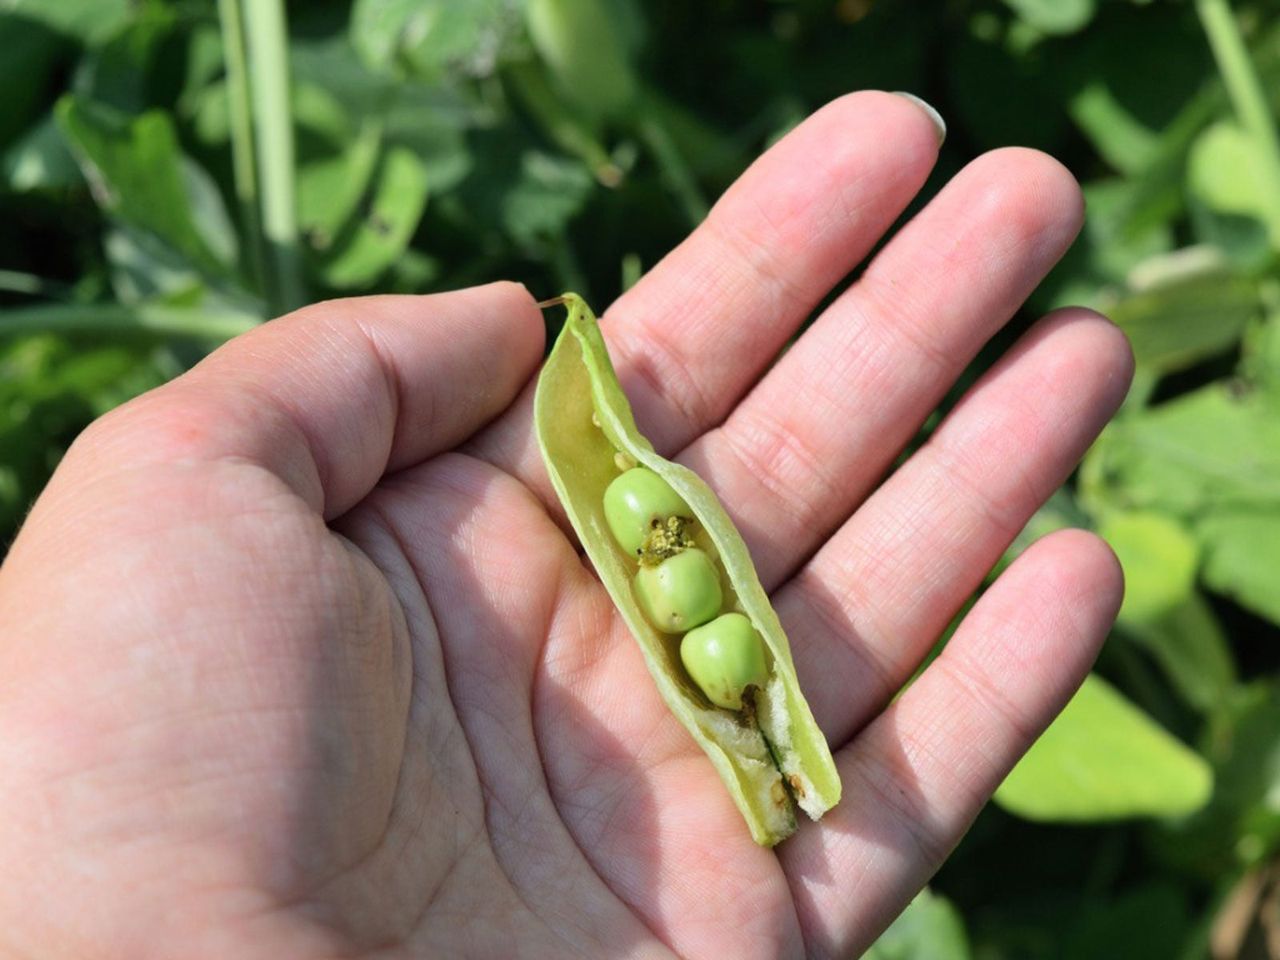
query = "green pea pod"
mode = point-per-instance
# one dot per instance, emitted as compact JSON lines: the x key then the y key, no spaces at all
{"x":769,"y":761}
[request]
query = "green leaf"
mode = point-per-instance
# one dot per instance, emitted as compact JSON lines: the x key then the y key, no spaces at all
{"x":1159,"y":557}
{"x":1055,"y":16}
{"x":1217,"y":448}
{"x":1226,"y":170}
{"x":1104,"y":759}
{"x":1242,"y":558}
{"x":430,"y":38}
{"x":1183,"y":307}
{"x":1229,"y":174}
{"x":381,"y":235}
{"x":549,"y":192}
{"x":929,"y":929}
{"x":139,"y":175}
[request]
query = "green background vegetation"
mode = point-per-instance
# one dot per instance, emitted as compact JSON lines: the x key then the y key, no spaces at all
{"x":155,"y":200}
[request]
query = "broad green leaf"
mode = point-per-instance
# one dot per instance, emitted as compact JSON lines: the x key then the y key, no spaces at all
{"x":1159,"y":557}
{"x":1228,"y":172}
{"x":139,"y":175}
{"x":1104,"y":759}
{"x":1183,"y":307}
{"x":381,"y":235}
{"x":1242,"y":558}
{"x":929,"y":929}
{"x":430,"y":38}
{"x":1217,"y":448}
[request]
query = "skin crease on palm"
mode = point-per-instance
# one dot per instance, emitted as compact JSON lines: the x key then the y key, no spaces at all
{"x":298,"y":659}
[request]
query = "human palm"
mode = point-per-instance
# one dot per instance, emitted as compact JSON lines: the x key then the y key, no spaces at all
{"x":299,"y":656}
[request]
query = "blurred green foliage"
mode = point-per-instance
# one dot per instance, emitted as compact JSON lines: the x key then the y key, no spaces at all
{"x":156,"y":200}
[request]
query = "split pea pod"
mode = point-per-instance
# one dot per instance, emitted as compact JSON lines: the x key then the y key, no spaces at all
{"x":770,"y":753}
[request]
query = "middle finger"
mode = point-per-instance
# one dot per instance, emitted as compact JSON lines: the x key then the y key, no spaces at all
{"x":806,"y":446}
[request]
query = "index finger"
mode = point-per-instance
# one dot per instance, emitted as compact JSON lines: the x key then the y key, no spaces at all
{"x":696,"y":332}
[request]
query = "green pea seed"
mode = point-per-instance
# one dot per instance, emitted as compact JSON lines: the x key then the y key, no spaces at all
{"x":635,"y":502}
{"x":724,"y":658}
{"x":679,"y":593}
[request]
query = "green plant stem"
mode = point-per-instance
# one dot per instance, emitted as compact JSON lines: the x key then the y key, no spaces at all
{"x":268,"y":58}
{"x":1247,"y":95}
{"x":116,"y":318}
{"x":242,"y":140}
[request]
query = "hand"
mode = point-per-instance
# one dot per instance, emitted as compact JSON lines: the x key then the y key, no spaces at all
{"x":298,"y":659}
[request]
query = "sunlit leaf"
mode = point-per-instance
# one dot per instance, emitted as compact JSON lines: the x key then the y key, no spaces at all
{"x":1229,"y":173}
{"x":1183,"y":307}
{"x":929,"y":929}
{"x":1104,"y":759}
{"x":1159,"y":557}
{"x":139,"y":175}
{"x":1242,"y":557}
{"x":1215,"y":448}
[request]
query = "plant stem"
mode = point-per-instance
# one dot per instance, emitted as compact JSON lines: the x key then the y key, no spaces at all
{"x":116,"y":318}
{"x":242,"y":162}
{"x":1247,"y":97}
{"x":268,"y":57}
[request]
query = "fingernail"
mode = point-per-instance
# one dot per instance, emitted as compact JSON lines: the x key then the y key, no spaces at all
{"x":938,"y":123}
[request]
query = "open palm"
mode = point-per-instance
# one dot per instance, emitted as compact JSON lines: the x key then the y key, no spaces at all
{"x":300,"y":659}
